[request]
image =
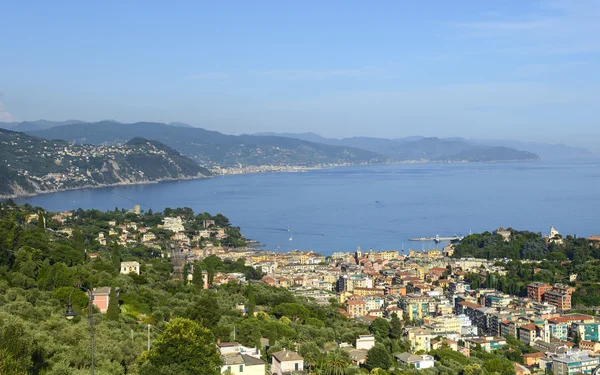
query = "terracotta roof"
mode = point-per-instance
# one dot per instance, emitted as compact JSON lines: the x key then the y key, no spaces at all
{"x":534,"y":355}
{"x":529,"y":327}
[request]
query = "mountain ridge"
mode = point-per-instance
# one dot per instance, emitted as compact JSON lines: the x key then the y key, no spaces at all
{"x":33,"y":165}
{"x":418,"y":148}
{"x":211,"y":148}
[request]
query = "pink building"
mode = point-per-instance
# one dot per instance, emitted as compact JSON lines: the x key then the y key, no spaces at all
{"x":101,"y":297}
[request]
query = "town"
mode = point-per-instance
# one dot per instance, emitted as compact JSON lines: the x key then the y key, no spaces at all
{"x":431,"y":292}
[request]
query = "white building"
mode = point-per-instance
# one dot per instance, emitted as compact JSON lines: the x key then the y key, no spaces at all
{"x":574,"y":362}
{"x":419,"y":361}
{"x":241,"y":360}
{"x":365,"y":342}
{"x":130,"y":267}
{"x":174,"y":224}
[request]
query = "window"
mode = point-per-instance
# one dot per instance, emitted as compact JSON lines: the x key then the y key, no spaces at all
{"x":229,"y":368}
{"x":241,"y":368}
{"x":296,"y":366}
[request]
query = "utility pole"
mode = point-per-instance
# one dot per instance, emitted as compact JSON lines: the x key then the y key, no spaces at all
{"x":91,"y":317}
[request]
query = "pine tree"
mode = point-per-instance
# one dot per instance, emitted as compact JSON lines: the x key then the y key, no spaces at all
{"x":197,"y":278}
{"x":112,"y":313}
{"x":186,"y":272}
{"x":251,"y":302}
{"x":116,"y":256}
{"x":41,"y":222}
{"x":78,"y":242}
{"x":395,"y":327}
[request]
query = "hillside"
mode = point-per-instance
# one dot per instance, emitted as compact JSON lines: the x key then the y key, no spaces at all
{"x":33,"y":165}
{"x":421,"y":148}
{"x":212,"y":148}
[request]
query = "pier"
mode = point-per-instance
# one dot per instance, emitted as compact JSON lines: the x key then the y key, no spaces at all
{"x":437,"y":238}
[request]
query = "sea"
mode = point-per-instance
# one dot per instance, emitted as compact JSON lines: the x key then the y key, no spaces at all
{"x":377,"y":206}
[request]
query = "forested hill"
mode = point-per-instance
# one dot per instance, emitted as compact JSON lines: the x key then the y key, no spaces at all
{"x":530,"y":257}
{"x":212,"y":148}
{"x":32,"y":165}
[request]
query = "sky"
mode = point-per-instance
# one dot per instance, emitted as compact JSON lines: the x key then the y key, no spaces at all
{"x":512,"y":69}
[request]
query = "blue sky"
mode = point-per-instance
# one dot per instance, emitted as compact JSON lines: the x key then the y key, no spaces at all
{"x":505,"y":69}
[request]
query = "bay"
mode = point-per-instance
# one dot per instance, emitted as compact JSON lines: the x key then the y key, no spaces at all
{"x":377,"y":207}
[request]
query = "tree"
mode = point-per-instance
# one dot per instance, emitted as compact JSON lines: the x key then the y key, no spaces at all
{"x":395,"y":327}
{"x":338,"y":362}
{"x":116,"y":256}
{"x":112,"y":313}
{"x":206,"y":310}
{"x":41,"y":222}
{"x":380,"y":327}
{"x":197,"y":278}
{"x":185,"y":347}
{"x":186,"y":272}
{"x":78,"y":242}
{"x":378,"y":357}
{"x":311,"y":353}
{"x":251,"y":301}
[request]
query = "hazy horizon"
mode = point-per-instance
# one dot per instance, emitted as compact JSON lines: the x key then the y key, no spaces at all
{"x":517,"y":70}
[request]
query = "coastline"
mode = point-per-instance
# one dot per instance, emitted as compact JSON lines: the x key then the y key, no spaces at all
{"x":222,"y":172}
{"x":147,"y":182}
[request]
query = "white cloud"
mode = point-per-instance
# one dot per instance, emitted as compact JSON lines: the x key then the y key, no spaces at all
{"x":4,"y":115}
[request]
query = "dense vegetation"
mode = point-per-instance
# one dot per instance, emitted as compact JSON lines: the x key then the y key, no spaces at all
{"x":532,"y":258}
{"x":39,"y":267}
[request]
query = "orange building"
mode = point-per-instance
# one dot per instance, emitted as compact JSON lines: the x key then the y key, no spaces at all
{"x":356,"y":308}
{"x":536,"y":291}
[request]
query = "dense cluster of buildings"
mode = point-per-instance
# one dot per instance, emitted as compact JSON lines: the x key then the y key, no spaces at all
{"x":430,"y":292}
{"x":439,"y":306}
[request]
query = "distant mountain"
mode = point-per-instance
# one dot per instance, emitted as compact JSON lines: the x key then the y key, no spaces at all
{"x":32,"y":165}
{"x":546,"y":151}
{"x":8,"y":125}
{"x":419,"y":148}
{"x":180,"y":124}
{"x":489,"y":154}
{"x":212,"y":148}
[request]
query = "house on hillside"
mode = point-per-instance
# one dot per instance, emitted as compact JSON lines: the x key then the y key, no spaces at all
{"x":419,"y":361}
{"x":286,"y":362}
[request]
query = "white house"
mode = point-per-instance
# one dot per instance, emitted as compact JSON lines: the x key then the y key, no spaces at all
{"x":419,"y":361}
{"x":365,"y":342}
{"x":242,"y":364}
{"x":130,"y":267}
{"x":241,"y":360}
{"x":286,"y":362}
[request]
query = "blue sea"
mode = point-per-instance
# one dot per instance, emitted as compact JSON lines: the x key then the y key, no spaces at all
{"x":377,"y":207}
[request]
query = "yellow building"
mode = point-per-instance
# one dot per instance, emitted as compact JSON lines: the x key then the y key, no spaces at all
{"x":416,"y":307}
{"x":419,"y":339}
{"x":444,"y":324}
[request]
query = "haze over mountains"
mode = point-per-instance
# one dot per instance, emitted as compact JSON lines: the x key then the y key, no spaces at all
{"x":212,"y":148}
